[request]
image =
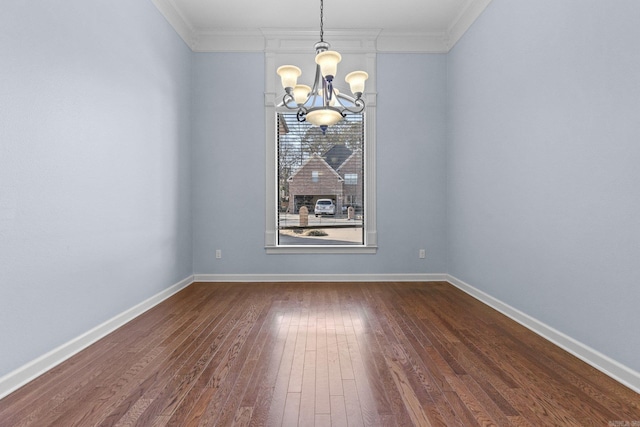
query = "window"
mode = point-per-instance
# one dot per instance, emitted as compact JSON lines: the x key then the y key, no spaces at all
{"x":320,"y":190}
{"x":354,"y":186}
{"x":321,"y":202}
{"x":350,"y":179}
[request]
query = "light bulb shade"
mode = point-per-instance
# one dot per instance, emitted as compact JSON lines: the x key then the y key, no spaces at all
{"x":323,"y":117}
{"x":356,"y":81}
{"x":328,"y":62}
{"x":289,"y":75}
{"x":301,"y":93}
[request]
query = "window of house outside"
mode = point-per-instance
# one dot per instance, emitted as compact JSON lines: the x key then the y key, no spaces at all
{"x":350,"y":179}
{"x":319,"y":171}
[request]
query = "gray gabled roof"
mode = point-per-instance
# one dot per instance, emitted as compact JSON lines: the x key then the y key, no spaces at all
{"x":353,"y":155}
{"x":337,"y":155}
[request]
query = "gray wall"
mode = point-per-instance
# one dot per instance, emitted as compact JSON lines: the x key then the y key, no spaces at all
{"x":229,"y":170}
{"x":94,"y":167}
{"x":543,"y":165}
{"x":513,"y":162}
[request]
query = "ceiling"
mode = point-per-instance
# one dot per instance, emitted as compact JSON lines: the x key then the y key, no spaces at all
{"x":398,"y":25}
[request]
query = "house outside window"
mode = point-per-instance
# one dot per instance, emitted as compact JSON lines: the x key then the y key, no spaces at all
{"x":350,"y":179}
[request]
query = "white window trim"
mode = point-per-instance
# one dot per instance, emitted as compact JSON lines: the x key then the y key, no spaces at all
{"x":297,"y":48}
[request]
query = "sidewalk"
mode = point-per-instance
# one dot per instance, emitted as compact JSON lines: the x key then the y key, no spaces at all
{"x":351,"y":235}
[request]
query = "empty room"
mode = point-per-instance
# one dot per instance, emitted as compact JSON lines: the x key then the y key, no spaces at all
{"x":320,"y":213}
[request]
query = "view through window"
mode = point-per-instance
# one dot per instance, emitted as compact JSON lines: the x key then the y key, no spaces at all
{"x":320,"y":182}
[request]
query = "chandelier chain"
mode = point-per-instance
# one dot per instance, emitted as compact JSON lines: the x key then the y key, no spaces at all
{"x":321,"y":20}
{"x":321,"y":105}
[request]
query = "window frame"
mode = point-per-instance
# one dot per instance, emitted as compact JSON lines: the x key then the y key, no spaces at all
{"x":273,"y":92}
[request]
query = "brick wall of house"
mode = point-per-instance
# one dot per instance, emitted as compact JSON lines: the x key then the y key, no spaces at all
{"x":352,"y":194}
{"x":326,"y":183}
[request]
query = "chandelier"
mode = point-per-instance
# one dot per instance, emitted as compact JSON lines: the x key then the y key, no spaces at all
{"x":322,"y":105}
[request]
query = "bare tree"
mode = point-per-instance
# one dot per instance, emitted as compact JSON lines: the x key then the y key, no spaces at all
{"x":346,"y":132}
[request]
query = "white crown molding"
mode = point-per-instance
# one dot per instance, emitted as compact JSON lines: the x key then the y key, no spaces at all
{"x":601,"y":362}
{"x":227,"y":41}
{"x":465,"y":20}
{"x":299,"y":41}
{"x":21,"y":376}
{"x":177,"y":20}
{"x":403,"y":42}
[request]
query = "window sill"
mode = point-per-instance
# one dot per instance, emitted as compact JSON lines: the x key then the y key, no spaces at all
{"x":297,"y":250}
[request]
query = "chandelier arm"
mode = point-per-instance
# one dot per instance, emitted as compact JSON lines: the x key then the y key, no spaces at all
{"x":344,"y":96}
{"x":327,"y":92}
{"x":358,"y":106}
{"x":358,"y":103}
{"x":316,"y":82}
{"x":286,"y":100}
{"x":301,"y":115}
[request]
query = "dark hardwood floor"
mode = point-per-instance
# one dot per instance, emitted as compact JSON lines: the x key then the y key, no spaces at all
{"x":321,"y":354}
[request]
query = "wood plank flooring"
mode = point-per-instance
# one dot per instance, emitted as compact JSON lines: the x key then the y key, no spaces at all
{"x":322,"y":354}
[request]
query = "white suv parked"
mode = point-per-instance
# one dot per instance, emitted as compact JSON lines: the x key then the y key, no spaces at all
{"x":325,"y":207}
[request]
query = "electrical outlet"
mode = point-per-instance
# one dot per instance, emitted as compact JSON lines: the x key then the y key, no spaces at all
{"x":422,"y":254}
{"x":218,"y":254}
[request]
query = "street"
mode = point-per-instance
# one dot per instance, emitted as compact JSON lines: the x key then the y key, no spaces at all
{"x":293,"y":220}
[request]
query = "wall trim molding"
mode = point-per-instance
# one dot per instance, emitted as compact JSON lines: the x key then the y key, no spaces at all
{"x":464,"y":21}
{"x":177,"y":20}
{"x":257,"y":39}
{"x":605,"y":364}
{"x":248,"y":278}
{"x":26,"y":373}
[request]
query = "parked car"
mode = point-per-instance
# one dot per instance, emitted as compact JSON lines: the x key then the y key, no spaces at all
{"x":325,"y":207}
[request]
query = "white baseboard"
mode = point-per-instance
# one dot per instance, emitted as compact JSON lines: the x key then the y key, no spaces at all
{"x":37,"y":367}
{"x":16,"y":379}
{"x":601,"y":362}
{"x":319,"y":277}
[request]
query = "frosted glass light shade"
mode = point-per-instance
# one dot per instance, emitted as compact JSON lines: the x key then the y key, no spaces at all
{"x":356,"y":81}
{"x":323,"y":117}
{"x":301,"y":93}
{"x":289,"y":75}
{"x":328,"y":62}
